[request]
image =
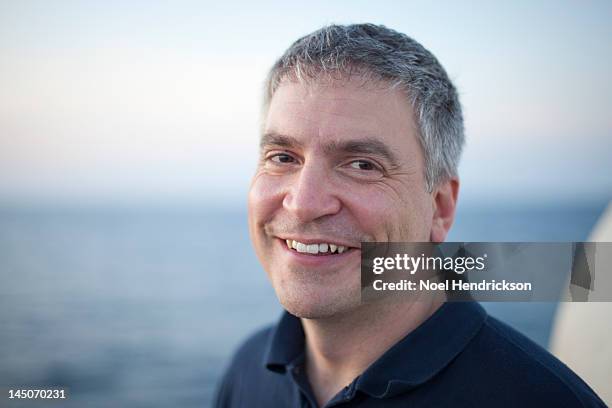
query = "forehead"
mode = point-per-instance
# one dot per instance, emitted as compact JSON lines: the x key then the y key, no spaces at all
{"x":331,"y":111}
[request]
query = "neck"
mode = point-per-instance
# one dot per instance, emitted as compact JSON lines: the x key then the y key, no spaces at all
{"x":341,"y":347}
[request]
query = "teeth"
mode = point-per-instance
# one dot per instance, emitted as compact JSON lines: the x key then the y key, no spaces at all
{"x":315,"y":248}
{"x":312,"y":249}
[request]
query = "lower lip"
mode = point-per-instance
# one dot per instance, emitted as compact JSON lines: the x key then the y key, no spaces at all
{"x":318,"y":260}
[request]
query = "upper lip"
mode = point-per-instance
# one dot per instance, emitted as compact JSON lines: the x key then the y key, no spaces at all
{"x":320,"y":240}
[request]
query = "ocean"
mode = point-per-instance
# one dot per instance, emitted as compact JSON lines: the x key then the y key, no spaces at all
{"x":142,"y":308}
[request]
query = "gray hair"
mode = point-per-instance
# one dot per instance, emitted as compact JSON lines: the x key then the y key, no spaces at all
{"x":377,"y":52}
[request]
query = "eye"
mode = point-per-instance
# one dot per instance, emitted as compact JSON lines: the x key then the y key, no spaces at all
{"x":281,"y":158}
{"x":363,"y":165}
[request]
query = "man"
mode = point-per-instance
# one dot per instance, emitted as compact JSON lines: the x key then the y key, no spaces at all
{"x":362,"y":132}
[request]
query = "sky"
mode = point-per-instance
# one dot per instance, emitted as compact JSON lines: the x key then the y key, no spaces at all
{"x":158,"y":102}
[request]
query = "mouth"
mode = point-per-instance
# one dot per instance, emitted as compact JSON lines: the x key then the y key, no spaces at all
{"x":317,"y":248}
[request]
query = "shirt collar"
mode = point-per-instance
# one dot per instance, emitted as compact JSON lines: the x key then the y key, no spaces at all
{"x":412,"y":361}
{"x":286,"y":343}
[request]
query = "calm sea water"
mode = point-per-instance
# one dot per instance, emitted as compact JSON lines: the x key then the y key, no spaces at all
{"x":142,"y":308}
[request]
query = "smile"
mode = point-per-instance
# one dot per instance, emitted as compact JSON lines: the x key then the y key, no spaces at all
{"x":315,"y":248}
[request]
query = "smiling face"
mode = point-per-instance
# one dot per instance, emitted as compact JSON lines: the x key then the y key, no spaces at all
{"x":340,"y":163}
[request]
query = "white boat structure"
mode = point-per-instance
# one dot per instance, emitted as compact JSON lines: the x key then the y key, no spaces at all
{"x":582,"y":332}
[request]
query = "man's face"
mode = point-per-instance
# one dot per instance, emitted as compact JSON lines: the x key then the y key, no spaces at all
{"x":340,"y":164}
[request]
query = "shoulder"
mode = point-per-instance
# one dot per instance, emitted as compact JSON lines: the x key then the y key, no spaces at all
{"x":246,"y":364}
{"x":251,"y":351}
{"x":527,"y":371}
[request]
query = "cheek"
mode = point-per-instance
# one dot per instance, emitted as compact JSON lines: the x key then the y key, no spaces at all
{"x":370,"y":209}
{"x":417,"y":218}
{"x":265,"y":196}
{"x":387,"y":216}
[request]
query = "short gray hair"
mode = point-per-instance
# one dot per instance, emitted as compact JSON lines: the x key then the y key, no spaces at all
{"x":376,"y":51}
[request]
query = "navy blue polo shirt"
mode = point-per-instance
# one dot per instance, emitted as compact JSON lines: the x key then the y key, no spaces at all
{"x":459,"y":357}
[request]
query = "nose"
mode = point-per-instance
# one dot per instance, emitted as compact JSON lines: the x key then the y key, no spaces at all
{"x":311,"y":194}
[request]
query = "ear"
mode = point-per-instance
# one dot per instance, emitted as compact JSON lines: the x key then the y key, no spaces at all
{"x":444,"y":202}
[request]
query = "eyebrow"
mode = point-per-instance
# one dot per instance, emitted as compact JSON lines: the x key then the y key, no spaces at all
{"x":276,"y":139}
{"x":367,"y":145}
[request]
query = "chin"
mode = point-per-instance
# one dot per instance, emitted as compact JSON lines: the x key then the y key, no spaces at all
{"x":321,"y":304}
